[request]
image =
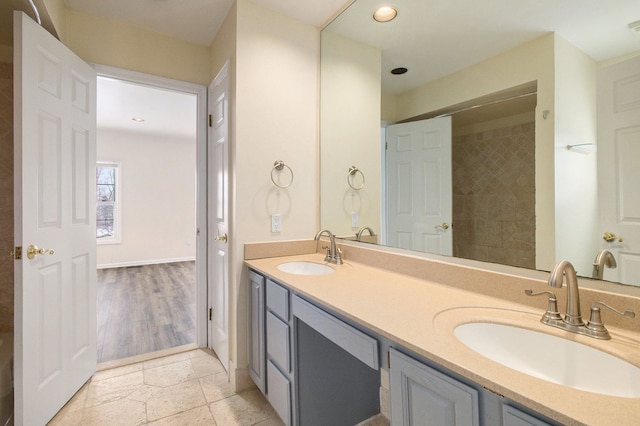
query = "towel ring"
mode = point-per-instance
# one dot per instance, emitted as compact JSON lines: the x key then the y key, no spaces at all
{"x":278,"y":166}
{"x":352,"y":172}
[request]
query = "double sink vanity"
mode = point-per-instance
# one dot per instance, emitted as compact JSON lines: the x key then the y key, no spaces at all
{"x":426,"y":342}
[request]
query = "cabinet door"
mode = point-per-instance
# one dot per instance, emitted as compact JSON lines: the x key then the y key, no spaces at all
{"x":257,"y":364}
{"x":513,"y":417}
{"x":421,"y":395}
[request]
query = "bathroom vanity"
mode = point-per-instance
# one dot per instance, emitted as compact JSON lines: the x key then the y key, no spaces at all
{"x":341,"y":347}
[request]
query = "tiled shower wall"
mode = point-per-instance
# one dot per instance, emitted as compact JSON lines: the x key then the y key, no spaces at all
{"x":6,"y":196}
{"x":494,"y":195}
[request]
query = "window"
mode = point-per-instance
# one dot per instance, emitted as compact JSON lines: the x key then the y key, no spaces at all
{"x":108,"y":202}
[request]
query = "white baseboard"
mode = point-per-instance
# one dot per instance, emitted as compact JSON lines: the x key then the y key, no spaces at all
{"x":145,"y":262}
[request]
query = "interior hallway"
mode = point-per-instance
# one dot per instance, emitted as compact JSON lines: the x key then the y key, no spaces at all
{"x":144,"y":309}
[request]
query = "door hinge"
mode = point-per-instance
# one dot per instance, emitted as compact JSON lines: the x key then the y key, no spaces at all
{"x":16,"y":253}
{"x":386,"y":146}
{"x":388,"y":359}
{"x":210,"y":313}
{"x":210,"y":120}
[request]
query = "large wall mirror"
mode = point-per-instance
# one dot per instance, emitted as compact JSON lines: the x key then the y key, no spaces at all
{"x":497,"y":131}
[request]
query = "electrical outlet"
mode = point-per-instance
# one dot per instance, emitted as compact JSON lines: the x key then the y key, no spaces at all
{"x":355,"y":220}
{"x":275,"y":223}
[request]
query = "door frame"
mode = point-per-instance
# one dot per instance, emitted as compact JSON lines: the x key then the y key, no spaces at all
{"x":201,"y":172}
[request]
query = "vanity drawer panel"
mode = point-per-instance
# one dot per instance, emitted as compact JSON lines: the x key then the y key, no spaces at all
{"x":358,"y":344}
{"x":513,"y":417}
{"x":279,"y":392}
{"x":278,"y":300}
{"x":278,"y":342}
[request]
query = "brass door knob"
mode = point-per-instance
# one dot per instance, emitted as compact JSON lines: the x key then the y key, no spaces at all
{"x":611,"y":237}
{"x":222,"y":238}
{"x":444,"y":225}
{"x":33,"y":251}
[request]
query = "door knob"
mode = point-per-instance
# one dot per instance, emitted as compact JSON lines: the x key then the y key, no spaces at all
{"x":444,"y":225}
{"x":611,"y":237}
{"x":222,"y":238}
{"x":33,"y":251}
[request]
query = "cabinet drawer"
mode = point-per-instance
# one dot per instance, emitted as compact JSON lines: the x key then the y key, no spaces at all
{"x":279,"y":392}
{"x":278,"y":342}
{"x":358,"y":344}
{"x":278,"y":300}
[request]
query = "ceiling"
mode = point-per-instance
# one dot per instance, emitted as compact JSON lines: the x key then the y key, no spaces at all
{"x":166,"y":113}
{"x":434,"y":38}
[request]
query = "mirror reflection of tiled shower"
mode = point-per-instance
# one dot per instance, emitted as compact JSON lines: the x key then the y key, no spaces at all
{"x":494,"y":190}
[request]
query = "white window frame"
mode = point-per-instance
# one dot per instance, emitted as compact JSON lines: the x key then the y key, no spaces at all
{"x":117,"y":205}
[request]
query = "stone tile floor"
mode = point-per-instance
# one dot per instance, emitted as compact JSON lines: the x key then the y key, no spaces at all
{"x":189,"y":388}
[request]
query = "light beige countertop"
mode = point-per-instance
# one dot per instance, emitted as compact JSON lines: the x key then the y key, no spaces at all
{"x":420,"y":315}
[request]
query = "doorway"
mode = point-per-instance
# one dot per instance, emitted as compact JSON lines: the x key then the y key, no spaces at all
{"x":150,"y":186}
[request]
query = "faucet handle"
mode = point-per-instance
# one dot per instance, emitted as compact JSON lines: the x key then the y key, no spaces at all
{"x":595,"y":327}
{"x":327,"y":258}
{"x":551,"y":315}
{"x":338,"y":259}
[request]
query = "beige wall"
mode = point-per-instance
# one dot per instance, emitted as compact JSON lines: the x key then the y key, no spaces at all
{"x":158,"y":197}
{"x":277,"y":65}
{"x":576,"y":182}
{"x":118,"y":44}
{"x":350,"y":133}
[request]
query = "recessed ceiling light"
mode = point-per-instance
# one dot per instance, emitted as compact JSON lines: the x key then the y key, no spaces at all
{"x":385,"y":14}
{"x":399,"y":71}
{"x":138,"y":119}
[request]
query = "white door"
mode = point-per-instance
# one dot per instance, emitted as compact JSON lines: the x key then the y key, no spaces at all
{"x":218,"y":273}
{"x":55,"y":292}
{"x":418,"y":179}
{"x":619,"y":166}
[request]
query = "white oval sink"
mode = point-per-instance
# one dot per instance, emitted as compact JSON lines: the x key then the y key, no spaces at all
{"x":305,"y":268}
{"x":552,"y":358}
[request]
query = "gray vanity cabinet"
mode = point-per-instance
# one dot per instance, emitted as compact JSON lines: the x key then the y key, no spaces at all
{"x":257,"y":349}
{"x":279,"y":362}
{"x":511,"y":416}
{"x":421,"y":395}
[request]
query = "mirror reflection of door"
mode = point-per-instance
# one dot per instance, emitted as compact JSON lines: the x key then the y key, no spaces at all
{"x":418,"y":173}
{"x":618,"y":157}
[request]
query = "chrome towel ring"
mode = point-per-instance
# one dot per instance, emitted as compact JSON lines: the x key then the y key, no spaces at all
{"x":279,"y":166}
{"x":351,"y":176}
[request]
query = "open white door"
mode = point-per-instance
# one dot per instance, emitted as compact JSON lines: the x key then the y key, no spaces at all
{"x":418,"y":174}
{"x":618,"y":166}
{"x":55,"y":291}
{"x":218,"y":213}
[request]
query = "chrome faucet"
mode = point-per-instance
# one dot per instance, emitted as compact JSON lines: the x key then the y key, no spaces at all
{"x":572,"y":320}
{"x":334,"y":255}
{"x":361,"y":231}
{"x":564,"y":269}
{"x":603,"y":258}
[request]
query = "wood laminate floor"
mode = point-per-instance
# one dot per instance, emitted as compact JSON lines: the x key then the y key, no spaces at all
{"x":145,"y":308}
